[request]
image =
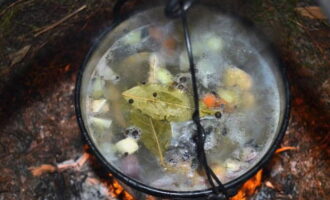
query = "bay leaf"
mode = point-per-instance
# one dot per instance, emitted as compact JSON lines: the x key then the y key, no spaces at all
{"x":164,"y":103}
{"x":160,"y":102}
{"x":156,"y":134}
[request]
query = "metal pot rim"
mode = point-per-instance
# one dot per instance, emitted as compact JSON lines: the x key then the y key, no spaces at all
{"x":231,"y":186}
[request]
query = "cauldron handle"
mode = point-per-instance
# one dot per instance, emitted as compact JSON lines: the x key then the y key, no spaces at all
{"x":178,"y":9}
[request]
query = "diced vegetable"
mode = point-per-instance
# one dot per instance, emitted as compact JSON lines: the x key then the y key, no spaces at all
{"x":100,"y":105}
{"x":97,"y":88}
{"x":230,"y":96}
{"x":108,"y":74}
{"x":101,"y":123}
{"x":233,"y":165}
{"x":207,"y":43}
{"x":127,"y":145}
{"x":234,"y":76}
{"x":210,"y":100}
{"x":164,"y":76}
{"x":133,"y":37}
{"x":214,"y":43}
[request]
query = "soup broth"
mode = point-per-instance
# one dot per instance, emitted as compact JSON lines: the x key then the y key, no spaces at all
{"x":138,"y":103}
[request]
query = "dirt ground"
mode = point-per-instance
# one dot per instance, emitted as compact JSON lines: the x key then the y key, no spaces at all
{"x":43,"y":43}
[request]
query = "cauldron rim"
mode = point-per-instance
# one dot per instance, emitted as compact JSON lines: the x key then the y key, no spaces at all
{"x":232,"y":185}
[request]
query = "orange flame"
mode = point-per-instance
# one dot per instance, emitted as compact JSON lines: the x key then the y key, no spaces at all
{"x":247,"y":190}
{"x":115,"y":189}
{"x":249,"y":187}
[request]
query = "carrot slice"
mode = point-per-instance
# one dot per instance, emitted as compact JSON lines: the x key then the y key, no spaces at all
{"x":210,"y":100}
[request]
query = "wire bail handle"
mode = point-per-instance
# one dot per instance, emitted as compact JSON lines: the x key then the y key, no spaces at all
{"x":175,"y":9}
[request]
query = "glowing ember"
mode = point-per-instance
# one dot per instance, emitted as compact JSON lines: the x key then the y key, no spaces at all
{"x":249,"y":187}
{"x":285,"y":149}
{"x":117,"y":190}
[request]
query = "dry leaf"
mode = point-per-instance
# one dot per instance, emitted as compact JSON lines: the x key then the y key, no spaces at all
{"x":312,"y":12}
{"x":163,"y":103}
{"x":156,"y":134}
{"x":19,"y":55}
{"x":159,"y":102}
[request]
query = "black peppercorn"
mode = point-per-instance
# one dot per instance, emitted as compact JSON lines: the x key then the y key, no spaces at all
{"x":183,"y":79}
{"x":180,"y":87}
{"x":218,"y":115}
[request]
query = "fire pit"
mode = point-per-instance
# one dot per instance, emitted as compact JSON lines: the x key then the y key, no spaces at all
{"x":44,"y":43}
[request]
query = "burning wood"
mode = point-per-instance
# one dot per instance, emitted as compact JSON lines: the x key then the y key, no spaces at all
{"x":74,"y":164}
{"x":47,"y":168}
{"x":113,"y":189}
{"x":116,"y":189}
{"x":249,"y":187}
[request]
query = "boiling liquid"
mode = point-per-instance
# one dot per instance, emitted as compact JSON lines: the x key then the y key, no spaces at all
{"x":238,"y":139}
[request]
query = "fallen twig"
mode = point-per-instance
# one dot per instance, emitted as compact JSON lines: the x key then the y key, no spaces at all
{"x":38,"y":171}
{"x":47,"y":168}
{"x":74,"y":164}
{"x":49,"y":27}
{"x":269,"y":184}
{"x":12,"y":5}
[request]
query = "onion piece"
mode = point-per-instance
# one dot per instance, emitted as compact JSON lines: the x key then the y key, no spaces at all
{"x":99,"y":105}
{"x":127,"y":145}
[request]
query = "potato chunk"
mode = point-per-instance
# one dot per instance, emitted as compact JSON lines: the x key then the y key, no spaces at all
{"x":101,"y":123}
{"x":236,"y":77}
{"x":236,"y":98}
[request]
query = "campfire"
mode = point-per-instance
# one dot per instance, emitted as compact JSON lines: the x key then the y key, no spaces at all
{"x":113,"y":190}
